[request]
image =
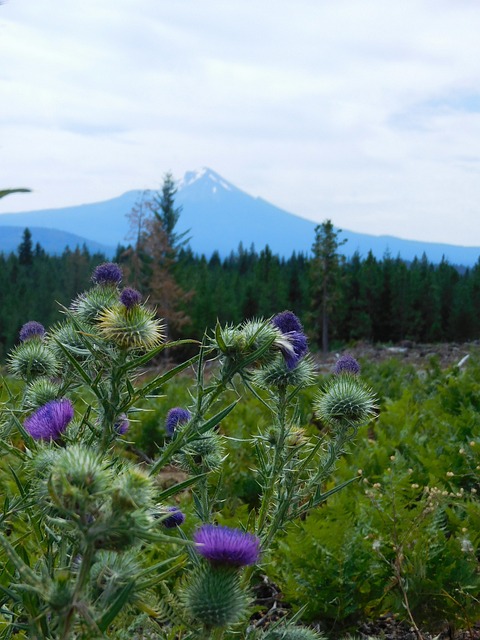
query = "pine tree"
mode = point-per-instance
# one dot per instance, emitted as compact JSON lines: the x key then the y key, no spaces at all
{"x":150,"y":264}
{"x":162,"y":205}
{"x":25,"y":249}
{"x":325,"y":277}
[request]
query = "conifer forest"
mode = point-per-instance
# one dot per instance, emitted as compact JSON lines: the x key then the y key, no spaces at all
{"x":374,"y":300}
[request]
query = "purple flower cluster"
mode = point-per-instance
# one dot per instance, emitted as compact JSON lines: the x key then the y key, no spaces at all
{"x":227,"y":546}
{"x":31,"y":330}
{"x":175,"y":519}
{"x":49,"y":421}
{"x":346,"y":364}
{"x":122,"y":424}
{"x":130,"y":297}
{"x":288,"y":323}
{"x":176,"y":416}
{"x":107,"y":273}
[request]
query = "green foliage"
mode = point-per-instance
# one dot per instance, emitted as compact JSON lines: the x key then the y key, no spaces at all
{"x":85,"y":524}
{"x":404,"y":538}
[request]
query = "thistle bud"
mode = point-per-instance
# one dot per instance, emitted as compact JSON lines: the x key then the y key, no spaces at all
{"x":39,"y":392}
{"x":130,"y":298}
{"x":202,"y":455}
{"x":31,"y":359}
{"x":278,"y":374}
{"x":214,"y":596}
{"x":256,"y":342}
{"x":79,"y":479}
{"x":345,"y":401}
{"x":110,"y":573}
{"x":66,"y":334}
{"x":90,"y":304}
{"x":132,"y":490}
{"x":131,"y":328}
{"x":122,"y":424}
{"x":290,"y":633}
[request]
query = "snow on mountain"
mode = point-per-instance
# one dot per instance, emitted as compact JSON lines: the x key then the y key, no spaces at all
{"x":218,"y":216}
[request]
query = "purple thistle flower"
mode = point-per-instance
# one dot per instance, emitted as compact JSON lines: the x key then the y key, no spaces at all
{"x":346,"y":364}
{"x":298,"y":341}
{"x":107,"y":273}
{"x":31,"y":330}
{"x":176,"y":518}
{"x":130,"y":297}
{"x":176,"y":416}
{"x":50,"y":420}
{"x":292,"y":328}
{"x":287,"y":322}
{"x":226,"y":546}
{"x":122,"y":424}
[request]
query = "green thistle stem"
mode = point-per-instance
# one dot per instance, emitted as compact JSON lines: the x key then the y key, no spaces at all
{"x":277,"y":463}
{"x":83,"y":575}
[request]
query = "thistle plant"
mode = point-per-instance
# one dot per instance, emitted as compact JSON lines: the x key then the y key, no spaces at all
{"x":91,"y":544}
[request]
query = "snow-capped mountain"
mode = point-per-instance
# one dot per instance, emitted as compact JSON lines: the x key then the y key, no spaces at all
{"x":218,"y":216}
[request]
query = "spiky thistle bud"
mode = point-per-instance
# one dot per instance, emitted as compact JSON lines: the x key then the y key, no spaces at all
{"x":66,"y":334}
{"x":278,"y":374}
{"x":132,"y":489}
{"x":90,"y":304}
{"x":79,"y":479}
{"x":49,"y":421}
{"x":110,"y":573}
{"x":39,"y":392}
{"x":131,"y":328}
{"x":253,"y":338}
{"x":214,"y":596}
{"x":345,"y":401}
{"x":290,"y":633}
{"x":203,"y":454}
{"x":31,"y":359}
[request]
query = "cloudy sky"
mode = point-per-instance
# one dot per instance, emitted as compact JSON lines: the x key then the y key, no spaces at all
{"x":363,"y":111}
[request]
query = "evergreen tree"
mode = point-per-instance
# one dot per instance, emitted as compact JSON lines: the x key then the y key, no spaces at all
{"x":25,"y":248}
{"x":150,"y":264}
{"x":326,"y":274}
{"x":162,"y":205}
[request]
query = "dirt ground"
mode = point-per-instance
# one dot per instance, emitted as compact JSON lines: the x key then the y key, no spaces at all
{"x":448,"y":354}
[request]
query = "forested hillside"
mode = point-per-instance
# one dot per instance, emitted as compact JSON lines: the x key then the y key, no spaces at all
{"x":377,"y":300}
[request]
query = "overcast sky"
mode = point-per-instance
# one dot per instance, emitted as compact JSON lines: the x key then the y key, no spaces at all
{"x":366,"y":112}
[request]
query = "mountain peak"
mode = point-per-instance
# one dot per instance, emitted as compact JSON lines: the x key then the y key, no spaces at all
{"x":205,"y":177}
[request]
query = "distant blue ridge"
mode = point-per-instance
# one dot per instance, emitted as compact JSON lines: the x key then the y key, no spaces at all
{"x":218,"y":216}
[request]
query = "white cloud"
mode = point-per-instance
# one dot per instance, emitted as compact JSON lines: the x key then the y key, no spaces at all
{"x":364,"y":111}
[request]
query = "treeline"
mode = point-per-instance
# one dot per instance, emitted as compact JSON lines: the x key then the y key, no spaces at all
{"x":34,"y":284}
{"x":383,"y":300}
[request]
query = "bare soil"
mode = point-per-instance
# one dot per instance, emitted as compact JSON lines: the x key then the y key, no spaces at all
{"x":418,"y":355}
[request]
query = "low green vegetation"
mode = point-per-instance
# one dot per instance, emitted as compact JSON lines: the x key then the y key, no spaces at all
{"x":405,"y":537}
